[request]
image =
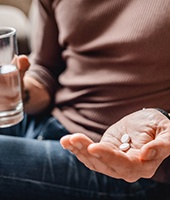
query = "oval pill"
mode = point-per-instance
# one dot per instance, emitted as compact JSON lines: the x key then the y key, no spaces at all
{"x":124,"y":146}
{"x":125,"y":138}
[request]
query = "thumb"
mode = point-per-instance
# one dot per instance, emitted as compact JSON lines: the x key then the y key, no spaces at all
{"x":149,"y":154}
{"x":153,"y":150}
{"x":23,"y":63}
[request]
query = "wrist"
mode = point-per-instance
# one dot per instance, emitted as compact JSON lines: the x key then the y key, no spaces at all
{"x":163,"y":112}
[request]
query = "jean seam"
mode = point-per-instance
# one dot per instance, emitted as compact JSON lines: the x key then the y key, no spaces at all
{"x":73,"y":189}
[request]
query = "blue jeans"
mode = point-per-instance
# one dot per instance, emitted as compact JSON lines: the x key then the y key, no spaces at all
{"x":33,"y":165}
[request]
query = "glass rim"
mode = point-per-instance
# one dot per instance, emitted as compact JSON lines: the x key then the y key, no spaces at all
{"x":10,"y":31}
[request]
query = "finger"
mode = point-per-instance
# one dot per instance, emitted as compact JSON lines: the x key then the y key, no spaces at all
{"x":80,"y":142}
{"x":76,"y":141}
{"x":65,"y":142}
{"x":73,"y":144}
{"x":156,"y":149}
{"x":110,"y":156}
{"x":102,"y":165}
{"x":103,"y":151}
{"x":118,"y":164}
{"x":23,"y":63}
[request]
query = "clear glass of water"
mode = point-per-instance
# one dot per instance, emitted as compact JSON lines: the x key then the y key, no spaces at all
{"x":11,"y":105}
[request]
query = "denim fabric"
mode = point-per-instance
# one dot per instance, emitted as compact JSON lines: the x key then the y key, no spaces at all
{"x":32,"y":168}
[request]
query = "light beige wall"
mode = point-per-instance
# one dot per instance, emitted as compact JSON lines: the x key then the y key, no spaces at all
{"x":24,"y":5}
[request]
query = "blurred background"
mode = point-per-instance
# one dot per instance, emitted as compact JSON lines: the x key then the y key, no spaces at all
{"x":18,"y":14}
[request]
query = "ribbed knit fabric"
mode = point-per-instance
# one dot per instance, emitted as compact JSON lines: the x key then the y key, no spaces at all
{"x":117,"y":58}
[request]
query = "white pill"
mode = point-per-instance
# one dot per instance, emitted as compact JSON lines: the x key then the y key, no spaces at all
{"x":124,"y":146}
{"x":125,"y":138}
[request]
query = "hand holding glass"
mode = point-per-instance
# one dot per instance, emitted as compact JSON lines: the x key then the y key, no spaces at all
{"x":11,"y":106}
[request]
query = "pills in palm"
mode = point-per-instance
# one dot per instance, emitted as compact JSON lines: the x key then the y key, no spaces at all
{"x":125,"y":138}
{"x":124,"y":146}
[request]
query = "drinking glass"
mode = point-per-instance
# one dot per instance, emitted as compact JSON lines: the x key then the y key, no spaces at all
{"x":11,"y":105}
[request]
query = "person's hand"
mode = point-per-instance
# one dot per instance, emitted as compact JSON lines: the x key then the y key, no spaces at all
{"x":23,"y":65}
{"x":149,"y":131}
{"x":8,"y":97}
{"x":35,"y":95}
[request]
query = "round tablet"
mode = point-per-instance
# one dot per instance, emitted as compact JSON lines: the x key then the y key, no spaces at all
{"x":125,"y":138}
{"x":124,"y":146}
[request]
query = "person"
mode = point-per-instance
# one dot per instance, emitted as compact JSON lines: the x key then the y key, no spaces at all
{"x":92,"y":64}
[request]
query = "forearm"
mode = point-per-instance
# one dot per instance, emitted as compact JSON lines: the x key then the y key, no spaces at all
{"x":37,"y":98}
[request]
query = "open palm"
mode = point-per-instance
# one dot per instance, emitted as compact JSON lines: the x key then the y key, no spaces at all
{"x":149,"y":132}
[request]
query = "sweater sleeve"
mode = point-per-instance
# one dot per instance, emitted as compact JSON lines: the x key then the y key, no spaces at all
{"x":46,"y":61}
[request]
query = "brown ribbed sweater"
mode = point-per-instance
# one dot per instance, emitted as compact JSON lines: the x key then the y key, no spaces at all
{"x":115,"y":55}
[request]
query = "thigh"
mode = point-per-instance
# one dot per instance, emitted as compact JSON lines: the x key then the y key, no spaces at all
{"x":33,"y":169}
{"x":43,"y":127}
{"x":40,"y":127}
